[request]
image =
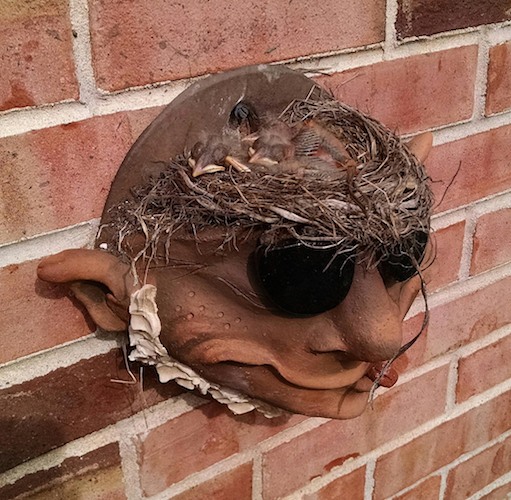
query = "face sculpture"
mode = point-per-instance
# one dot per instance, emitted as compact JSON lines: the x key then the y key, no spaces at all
{"x":219,"y":314}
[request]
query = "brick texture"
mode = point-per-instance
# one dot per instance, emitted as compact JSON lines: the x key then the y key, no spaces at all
{"x":457,"y":323}
{"x":426,"y":490}
{"x":68,"y":403}
{"x":36,"y":59}
{"x":236,"y":484}
{"x":484,"y":168}
{"x":293,"y":464}
{"x":483,"y":369}
{"x":59,"y":176}
{"x":448,"y":245}
{"x":411,"y":94}
{"x":198,"y":439}
{"x":23,"y":298}
{"x":498,"y":94}
{"x":490,"y":250}
{"x":474,"y":474}
{"x":132,"y":46}
{"x":433,"y":450}
{"x":427,"y":17}
{"x":95,"y":475}
{"x":351,"y":485}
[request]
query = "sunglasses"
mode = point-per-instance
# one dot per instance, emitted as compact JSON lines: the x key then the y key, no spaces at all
{"x":302,"y":280}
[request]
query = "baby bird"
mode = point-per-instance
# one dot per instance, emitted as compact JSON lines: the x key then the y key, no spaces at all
{"x":316,"y":142}
{"x":273,"y":144}
{"x":213,"y":154}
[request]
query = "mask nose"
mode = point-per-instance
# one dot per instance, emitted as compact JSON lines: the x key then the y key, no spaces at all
{"x":367,"y":323}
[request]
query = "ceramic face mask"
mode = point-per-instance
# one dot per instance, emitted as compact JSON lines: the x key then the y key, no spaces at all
{"x":254,"y":250}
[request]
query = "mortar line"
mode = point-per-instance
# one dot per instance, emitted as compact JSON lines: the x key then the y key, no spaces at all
{"x":462,"y":130}
{"x":41,"y":245}
{"x":41,"y":363}
{"x":499,"y":34}
{"x":452,"y":382}
{"x":460,"y":289}
{"x":257,"y":477}
{"x":130,"y":468}
{"x":443,"y":486}
{"x":468,"y":245}
{"x":483,"y":56}
{"x":369,"y":479}
{"x":501,"y":481}
{"x":390,"y":42}
{"x":82,"y":49}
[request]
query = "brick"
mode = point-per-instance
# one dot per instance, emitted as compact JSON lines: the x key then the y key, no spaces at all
{"x":448,"y":245}
{"x":492,"y":230}
{"x":142,"y":118}
{"x":49,"y":411}
{"x":457,"y":323}
{"x":498,"y":93}
{"x":469,"y":318}
{"x":411,"y":94}
{"x":95,"y":475}
{"x":59,"y":318}
{"x":349,"y":486}
{"x":132,"y":46}
{"x":198,"y":439}
{"x":59,"y":176}
{"x":426,"y":490}
{"x":36,"y":54}
{"x":483,"y":369}
{"x":314,"y":453}
{"x":501,"y":493}
{"x":417,"y":354}
{"x":437,"y":448}
{"x":484,"y":168}
{"x":420,"y":17}
{"x":236,"y":483}
{"x":477,"y":472}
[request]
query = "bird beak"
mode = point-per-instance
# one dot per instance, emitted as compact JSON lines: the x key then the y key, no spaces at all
{"x":236,"y":164}
{"x":199,"y":169}
{"x":261,"y":159}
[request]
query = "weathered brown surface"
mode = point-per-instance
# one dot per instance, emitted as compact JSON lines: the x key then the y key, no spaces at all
{"x":48,"y":411}
{"x":95,"y":475}
{"x":427,"y":17}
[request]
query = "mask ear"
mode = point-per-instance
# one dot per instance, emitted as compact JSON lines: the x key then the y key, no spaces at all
{"x":421,"y":145}
{"x":98,"y":279}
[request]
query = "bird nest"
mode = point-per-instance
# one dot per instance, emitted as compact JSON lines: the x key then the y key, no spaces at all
{"x":372,"y":208}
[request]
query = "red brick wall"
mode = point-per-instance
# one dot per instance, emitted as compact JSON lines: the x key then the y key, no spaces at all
{"x":81,"y":81}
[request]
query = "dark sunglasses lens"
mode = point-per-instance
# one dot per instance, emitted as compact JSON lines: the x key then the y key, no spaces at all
{"x":400,"y":265}
{"x":303,"y":280}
